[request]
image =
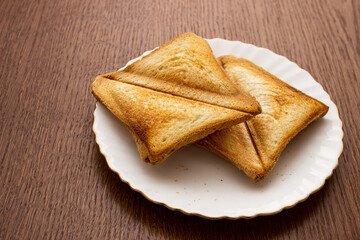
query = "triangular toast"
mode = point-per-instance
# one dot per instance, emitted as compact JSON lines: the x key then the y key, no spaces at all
{"x":182,"y":95}
{"x":186,"y":67}
{"x":162,"y":123}
{"x":285,"y":112}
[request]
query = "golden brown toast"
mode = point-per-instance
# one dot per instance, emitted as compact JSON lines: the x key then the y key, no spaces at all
{"x":285,"y":112}
{"x":162,"y":123}
{"x":185,"y":66}
{"x":174,"y":96}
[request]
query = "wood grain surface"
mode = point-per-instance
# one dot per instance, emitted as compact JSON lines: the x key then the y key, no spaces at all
{"x":55,"y":184}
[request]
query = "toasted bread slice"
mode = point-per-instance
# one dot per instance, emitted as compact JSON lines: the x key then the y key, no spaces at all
{"x":159,"y":122}
{"x":186,"y":67}
{"x":285,"y":112}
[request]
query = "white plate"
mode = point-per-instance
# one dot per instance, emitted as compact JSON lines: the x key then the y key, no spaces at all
{"x":198,"y":182}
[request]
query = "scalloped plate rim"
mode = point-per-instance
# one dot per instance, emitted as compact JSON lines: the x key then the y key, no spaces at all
{"x":103,"y":149}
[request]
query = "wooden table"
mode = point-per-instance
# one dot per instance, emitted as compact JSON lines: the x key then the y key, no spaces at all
{"x":55,"y":184}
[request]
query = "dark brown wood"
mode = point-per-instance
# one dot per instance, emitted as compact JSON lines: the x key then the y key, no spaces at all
{"x":55,"y":184}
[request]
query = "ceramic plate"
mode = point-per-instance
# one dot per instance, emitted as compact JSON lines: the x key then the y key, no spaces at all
{"x":198,"y":182}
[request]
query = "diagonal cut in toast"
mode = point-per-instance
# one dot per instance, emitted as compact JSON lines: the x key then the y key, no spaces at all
{"x":174,"y":96}
{"x":255,"y":146}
